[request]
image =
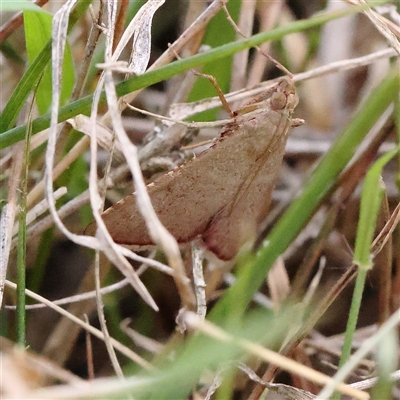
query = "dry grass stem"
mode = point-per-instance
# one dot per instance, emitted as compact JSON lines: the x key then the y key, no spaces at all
{"x":102,"y":319}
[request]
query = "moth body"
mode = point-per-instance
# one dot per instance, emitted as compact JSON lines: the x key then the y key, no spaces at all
{"x":223,"y":194}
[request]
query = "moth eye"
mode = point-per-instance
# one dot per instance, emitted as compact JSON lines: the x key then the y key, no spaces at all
{"x":278,"y":101}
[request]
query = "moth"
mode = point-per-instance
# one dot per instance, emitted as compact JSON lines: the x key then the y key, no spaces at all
{"x":222,"y":195}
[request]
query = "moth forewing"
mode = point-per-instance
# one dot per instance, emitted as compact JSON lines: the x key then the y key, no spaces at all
{"x":268,"y":128}
{"x":224,"y":193}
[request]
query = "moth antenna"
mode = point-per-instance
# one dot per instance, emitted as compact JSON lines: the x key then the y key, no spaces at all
{"x":213,"y":82}
{"x":275,"y":62}
{"x":221,"y":95}
{"x":272,"y":59}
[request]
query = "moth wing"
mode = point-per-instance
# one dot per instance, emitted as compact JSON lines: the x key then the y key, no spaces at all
{"x":187,"y":199}
{"x":225,"y":192}
{"x":237,"y":222}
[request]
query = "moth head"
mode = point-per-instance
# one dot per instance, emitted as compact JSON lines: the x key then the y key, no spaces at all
{"x":284,"y":95}
{"x":278,"y":97}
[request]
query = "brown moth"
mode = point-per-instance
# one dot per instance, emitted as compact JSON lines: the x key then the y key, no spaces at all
{"x":222,"y":195}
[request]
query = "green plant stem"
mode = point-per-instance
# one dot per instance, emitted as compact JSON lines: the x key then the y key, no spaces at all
{"x":83,"y":105}
{"x":21,"y":247}
{"x":352,"y":320}
{"x":353,"y":315}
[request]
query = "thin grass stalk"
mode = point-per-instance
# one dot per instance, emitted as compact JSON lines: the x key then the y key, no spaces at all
{"x":352,"y":320}
{"x":21,"y":247}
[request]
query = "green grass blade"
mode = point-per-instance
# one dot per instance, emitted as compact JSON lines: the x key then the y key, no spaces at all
{"x":369,"y":210}
{"x":37,"y":35}
{"x":21,"y":92}
{"x":29,"y":80}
